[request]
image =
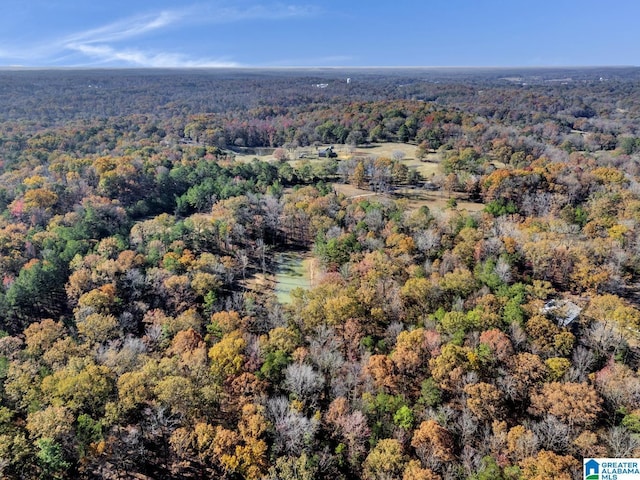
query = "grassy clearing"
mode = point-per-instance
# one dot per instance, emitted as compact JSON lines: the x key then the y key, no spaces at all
{"x":347,"y":151}
{"x":437,"y":200}
{"x":415,"y":197}
{"x":295,"y":270}
{"x":350,"y":191}
{"x":380,"y":150}
{"x":292,"y":269}
{"x":245,"y":158}
{"x":427,"y":169}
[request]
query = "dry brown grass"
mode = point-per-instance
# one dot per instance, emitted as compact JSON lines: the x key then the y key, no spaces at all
{"x":379,"y":150}
{"x":437,"y":200}
{"x":376,"y":150}
{"x":426,"y":168}
{"x":349,"y":190}
{"x":248,"y":158}
{"x":415,"y":197}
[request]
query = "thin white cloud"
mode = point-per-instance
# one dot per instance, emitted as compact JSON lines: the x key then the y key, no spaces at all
{"x":140,"y":25}
{"x":258,"y":12}
{"x":127,"y":28}
{"x":86,"y":41}
{"x":104,"y":54}
{"x":110,"y":44}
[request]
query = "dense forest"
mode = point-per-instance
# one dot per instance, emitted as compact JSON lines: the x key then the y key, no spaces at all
{"x":436,"y":341}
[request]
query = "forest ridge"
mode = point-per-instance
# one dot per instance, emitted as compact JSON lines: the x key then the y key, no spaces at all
{"x":436,"y":342}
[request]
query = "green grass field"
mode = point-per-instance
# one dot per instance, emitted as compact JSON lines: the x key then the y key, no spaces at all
{"x":293,"y":272}
{"x":416,"y":197}
{"x":427,"y":168}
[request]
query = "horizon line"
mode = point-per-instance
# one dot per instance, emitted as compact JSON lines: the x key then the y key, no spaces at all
{"x":309,"y":67}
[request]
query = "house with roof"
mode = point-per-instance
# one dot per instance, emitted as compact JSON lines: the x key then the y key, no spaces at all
{"x":563,"y":311}
{"x":327,"y":153}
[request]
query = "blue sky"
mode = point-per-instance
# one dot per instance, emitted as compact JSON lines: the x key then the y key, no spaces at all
{"x":263,"y":33}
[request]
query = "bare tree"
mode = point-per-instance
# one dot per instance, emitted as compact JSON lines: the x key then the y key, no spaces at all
{"x":261,"y":251}
{"x":621,"y":442}
{"x":302,"y":381}
{"x":604,"y":337}
{"x":324,"y":350}
{"x":243,"y":261}
{"x":348,"y":381}
{"x":552,"y":434}
{"x":398,"y":155}
{"x":503,"y":270}
{"x":293,"y":431}
{"x":427,"y":241}
{"x":582,"y":361}
{"x":272,"y":210}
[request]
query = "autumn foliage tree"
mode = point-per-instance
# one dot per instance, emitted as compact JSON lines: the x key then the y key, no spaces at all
{"x":140,"y":332}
